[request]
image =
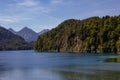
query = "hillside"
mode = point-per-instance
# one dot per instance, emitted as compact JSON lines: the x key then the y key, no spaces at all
{"x":10,"y":41}
{"x":11,"y":30}
{"x":93,"y":34}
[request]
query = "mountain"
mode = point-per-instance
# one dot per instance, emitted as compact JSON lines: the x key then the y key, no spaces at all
{"x":10,"y":41}
{"x":28,"y":34}
{"x":11,"y":30}
{"x":94,"y":34}
{"x":43,"y":31}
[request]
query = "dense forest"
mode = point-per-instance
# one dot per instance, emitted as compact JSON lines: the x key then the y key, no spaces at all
{"x":10,"y":41}
{"x":94,"y":34}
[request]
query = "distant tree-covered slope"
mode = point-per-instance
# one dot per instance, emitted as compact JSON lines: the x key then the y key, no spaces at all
{"x":10,"y":41}
{"x":94,"y":34}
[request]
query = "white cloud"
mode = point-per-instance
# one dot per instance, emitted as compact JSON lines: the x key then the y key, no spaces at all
{"x":30,"y":13}
{"x":12,"y":19}
{"x":6,"y":20}
{"x":56,"y":1}
{"x":28,"y":3}
{"x":29,"y":6}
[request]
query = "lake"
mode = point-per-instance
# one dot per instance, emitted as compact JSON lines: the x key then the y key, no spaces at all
{"x":30,"y":65}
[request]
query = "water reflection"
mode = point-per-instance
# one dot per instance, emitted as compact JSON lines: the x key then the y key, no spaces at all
{"x":98,"y":75}
{"x":25,"y":65}
{"x":2,"y":70}
{"x":116,"y":59}
{"x":47,"y":74}
{"x":31,"y":74}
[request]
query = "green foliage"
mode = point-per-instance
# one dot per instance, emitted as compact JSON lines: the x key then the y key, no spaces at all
{"x":118,"y":45}
{"x":94,"y":34}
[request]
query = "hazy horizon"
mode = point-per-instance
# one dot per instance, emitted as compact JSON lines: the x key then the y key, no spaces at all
{"x":46,"y":14}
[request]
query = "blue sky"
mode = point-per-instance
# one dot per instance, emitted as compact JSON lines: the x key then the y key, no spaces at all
{"x":47,"y":14}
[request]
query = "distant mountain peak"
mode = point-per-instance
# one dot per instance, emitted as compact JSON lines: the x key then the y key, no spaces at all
{"x":43,"y":31}
{"x":28,"y":34}
{"x":26,"y":28}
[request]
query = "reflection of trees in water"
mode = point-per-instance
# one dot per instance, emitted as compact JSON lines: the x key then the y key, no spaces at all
{"x":96,"y":75}
{"x":117,"y":59}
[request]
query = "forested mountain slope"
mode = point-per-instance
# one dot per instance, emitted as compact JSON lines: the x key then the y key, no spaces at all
{"x":93,"y":34}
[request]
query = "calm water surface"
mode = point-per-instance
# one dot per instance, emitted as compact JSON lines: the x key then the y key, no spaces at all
{"x":29,"y":65}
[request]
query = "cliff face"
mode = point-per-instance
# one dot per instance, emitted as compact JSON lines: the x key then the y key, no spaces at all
{"x":90,"y":35}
